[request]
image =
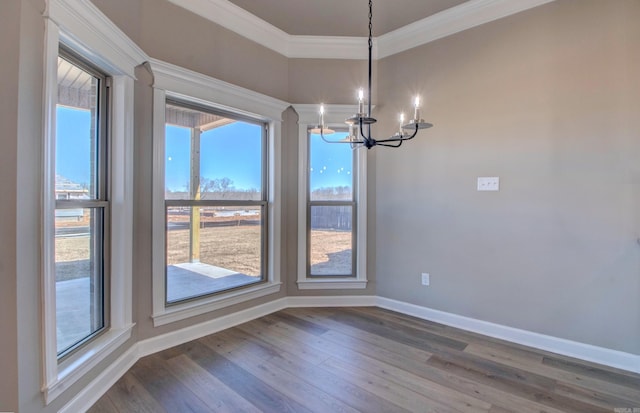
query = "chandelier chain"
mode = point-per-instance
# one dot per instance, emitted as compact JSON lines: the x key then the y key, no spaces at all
{"x":370,"y":23}
{"x":370,"y":58}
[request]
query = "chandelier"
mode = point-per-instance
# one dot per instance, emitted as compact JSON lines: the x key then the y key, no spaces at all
{"x":360,"y":123}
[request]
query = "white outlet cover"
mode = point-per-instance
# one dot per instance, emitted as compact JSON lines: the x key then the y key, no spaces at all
{"x":489,"y":183}
{"x":426,"y":279}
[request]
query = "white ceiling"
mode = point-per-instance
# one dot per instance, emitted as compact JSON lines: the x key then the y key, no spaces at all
{"x":342,"y":17}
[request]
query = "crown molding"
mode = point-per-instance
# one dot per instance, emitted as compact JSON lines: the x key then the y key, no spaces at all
{"x":84,"y":27}
{"x":329,"y":47}
{"x":456,"y":19}
{"x":226,"y":96}
{"x":238,"y":20}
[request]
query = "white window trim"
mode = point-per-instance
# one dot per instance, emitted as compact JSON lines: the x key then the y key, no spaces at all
{"x":334,"y":117}
{"x":80,"y":26}
{"x":176,"y":82}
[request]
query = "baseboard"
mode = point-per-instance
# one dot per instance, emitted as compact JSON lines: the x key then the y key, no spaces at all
{"x":174,"y":338}
{"x":99,"y":386}
{"x":600,"y":355}
{"x":332,"y":301}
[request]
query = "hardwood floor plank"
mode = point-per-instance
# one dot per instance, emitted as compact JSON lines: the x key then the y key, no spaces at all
{"x":283,"y":343}
{"x":338,"y":387}
{"x":408,"y":335}
{"x":254,"y":390}
{"x":312,"y":397}
{"x":170,"y":392}
{"x":508,"y":380}
{"x":399,"y":395}
{"x":427,"y":325}
{"x":305,"y":325}
{"x":487,"y":393}
{"x":294,"y":358}
{"x":103,"y":405}
{"x":338,"y":331}
{"x":595,"y":397}
{"x":129,"y":395}
{"x":214,"y":393}
{"x":434,"y":391}
{"x":606,"y":390}
{"x":623,"y":379}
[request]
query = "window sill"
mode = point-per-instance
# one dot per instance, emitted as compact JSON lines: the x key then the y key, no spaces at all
{"x":331,"y":284}
{"x":205,"y":305}
{"x":73,"y":369}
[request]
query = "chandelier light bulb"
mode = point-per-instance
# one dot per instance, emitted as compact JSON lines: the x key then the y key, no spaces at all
{"x":360,"y":100}
{"x":416,"y":114}
{"x":401,"y":123}
{"x":321,"y":115}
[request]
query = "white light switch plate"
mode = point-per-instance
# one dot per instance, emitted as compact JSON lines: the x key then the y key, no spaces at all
{"x":488,"y":183}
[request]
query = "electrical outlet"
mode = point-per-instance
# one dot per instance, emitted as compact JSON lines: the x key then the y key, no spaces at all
{"x":425,"y":278}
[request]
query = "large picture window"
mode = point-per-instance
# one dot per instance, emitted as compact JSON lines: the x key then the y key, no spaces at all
{"x":215,"y":201}
{"x":82,"y":204}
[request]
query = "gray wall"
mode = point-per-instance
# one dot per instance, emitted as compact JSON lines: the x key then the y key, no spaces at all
{"x":549,"y":101}
{"x":9,"y":70}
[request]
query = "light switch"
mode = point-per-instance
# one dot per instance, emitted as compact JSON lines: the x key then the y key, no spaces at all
{"x":489,"y":183}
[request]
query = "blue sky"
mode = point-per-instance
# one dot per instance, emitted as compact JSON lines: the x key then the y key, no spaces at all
{"x":73,"y":146}
{"x":232,"y":151}
{"x":330,"y":164}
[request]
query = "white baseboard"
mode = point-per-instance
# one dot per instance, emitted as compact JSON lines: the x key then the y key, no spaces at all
{"x":99,"y":386}
{"x":174,"y":338}
{"x":600,"y":355}
{"x":94,"y":390}
{"x":333,"y":301}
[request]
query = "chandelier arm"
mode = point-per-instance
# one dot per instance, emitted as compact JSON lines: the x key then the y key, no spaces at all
{"x":365,"y":138}
{"x":399,"y":138}
{"x":413,"y":135}
{"x":327,"y":140}
{"x":388,"y":145}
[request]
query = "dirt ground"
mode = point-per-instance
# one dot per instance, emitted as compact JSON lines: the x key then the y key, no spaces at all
{"x":233,"y":247}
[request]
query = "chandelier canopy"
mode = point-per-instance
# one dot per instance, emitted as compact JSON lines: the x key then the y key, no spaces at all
{"x":360,"y":123}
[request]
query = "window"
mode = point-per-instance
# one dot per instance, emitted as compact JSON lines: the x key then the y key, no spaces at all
{"x":332,"y":208}
{"x":87,"y":187}
{"x":215,"y":199}
{"x":216,"y":204}
{"x":82,"y":204}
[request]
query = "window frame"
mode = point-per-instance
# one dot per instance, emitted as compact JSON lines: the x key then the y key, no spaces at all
{"x":184,"y":85}
{"x":83,"y":29}
{"x":262,"y":203}
{"x":334,"y":117}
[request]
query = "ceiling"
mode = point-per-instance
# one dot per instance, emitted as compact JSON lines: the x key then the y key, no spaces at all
{"x":342,"y":17}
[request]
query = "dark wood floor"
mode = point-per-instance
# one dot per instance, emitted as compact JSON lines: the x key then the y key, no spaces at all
{"x":363,"y":360}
